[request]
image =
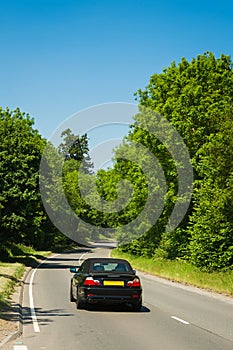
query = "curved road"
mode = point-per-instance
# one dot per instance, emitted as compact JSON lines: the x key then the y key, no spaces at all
{"x":172,"y":317}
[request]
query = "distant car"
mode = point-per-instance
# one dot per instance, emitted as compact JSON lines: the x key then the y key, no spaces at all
{"x":105,"y":280}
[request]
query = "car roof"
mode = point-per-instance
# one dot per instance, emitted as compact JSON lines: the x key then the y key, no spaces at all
{"x":90,"y":262}
{"x":106,"y":259}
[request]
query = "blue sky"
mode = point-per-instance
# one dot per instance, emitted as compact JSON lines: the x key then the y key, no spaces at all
{"x":58,"y":57}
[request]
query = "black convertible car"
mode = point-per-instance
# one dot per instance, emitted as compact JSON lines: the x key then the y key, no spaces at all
{"x":105,"y":280}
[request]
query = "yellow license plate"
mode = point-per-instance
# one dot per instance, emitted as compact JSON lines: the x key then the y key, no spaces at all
{"x":114,"y":283}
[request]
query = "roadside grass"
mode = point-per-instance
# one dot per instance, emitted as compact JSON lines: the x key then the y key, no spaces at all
{"x":183,"y":272}
{"x":10,"y":274}
{"x":27,"y":256}
{"x":12,"y":270}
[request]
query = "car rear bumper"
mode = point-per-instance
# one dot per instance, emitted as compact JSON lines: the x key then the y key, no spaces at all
{"x":111,"y":295}
{"x":111,"y":299}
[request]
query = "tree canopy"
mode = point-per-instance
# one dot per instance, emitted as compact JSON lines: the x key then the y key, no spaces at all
{"x":196,"y":98}
{"x":22,"y":215}
{"x":21,"y":147}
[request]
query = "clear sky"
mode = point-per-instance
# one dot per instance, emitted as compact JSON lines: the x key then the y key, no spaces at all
{"x":58,"y":57}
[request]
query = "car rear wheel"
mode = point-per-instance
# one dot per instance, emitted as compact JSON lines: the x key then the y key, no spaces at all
{"x":137,"y":306}
{"x":79,"y":302}
{"x":71,"y":294}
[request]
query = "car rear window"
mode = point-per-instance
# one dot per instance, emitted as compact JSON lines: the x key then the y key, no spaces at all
{"x":110,"y":267}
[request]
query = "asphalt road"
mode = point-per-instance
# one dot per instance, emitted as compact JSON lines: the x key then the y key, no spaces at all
{"x":172,"y":317}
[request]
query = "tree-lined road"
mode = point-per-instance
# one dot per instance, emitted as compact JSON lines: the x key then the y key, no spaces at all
{"x":172,"y":317}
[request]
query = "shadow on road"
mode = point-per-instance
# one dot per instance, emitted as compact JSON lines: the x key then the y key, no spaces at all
{"x":114,"y":308}
{"x":44,"y":316}
{"x":60,"y":263}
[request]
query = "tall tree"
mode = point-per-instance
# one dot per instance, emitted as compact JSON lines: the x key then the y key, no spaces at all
{"x":21,"y":209}
{"x":211,"y":226}
{"x":76,"y":147}
{"x":196,"y":98}
{"x":76,"y":167}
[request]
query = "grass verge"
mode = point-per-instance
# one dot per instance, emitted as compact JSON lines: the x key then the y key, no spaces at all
{"x":183,"y":272}
{"x":12,"y":270}
{"x":10,"y":275}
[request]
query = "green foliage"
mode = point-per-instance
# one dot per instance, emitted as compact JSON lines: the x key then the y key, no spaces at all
{"x":211,"y":226}
{"x":181,"y":271}
{"x":77,"y":169}
{"x":75,"y":147}
{"x":20,"y":206}
{"x":52,"y":193}
{"x":196,"y":97}
{"x":22,"y":215}
{"x":193,"y":95}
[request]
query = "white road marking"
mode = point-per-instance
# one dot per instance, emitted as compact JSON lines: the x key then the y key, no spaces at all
{"x":20,"y":347}
{"x":31,"y":301}
{"x":179,"y":319}
{"x":81,"y":258}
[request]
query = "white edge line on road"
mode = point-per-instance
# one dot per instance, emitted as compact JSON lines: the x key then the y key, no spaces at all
{"x":179,"y":319}
{"x":79,"y":260}
{"x":31,"y":300}
{"x":20,"y":347}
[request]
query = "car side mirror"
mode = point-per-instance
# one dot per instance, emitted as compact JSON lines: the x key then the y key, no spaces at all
{"x":134,"y":271}
{"x":74,"y":269}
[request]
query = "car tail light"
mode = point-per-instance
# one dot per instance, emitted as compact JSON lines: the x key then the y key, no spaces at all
{"x":135,"y":296}
{"x":89,"y":281}
{"x":134,"y":283}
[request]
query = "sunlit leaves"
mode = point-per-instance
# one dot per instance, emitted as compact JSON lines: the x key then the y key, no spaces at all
{"x":21,"y":147}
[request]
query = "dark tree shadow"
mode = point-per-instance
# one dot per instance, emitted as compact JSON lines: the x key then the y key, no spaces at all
{"x":44,"y":317}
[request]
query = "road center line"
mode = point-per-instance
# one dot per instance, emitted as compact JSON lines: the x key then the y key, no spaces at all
{"x":179,"y":319}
